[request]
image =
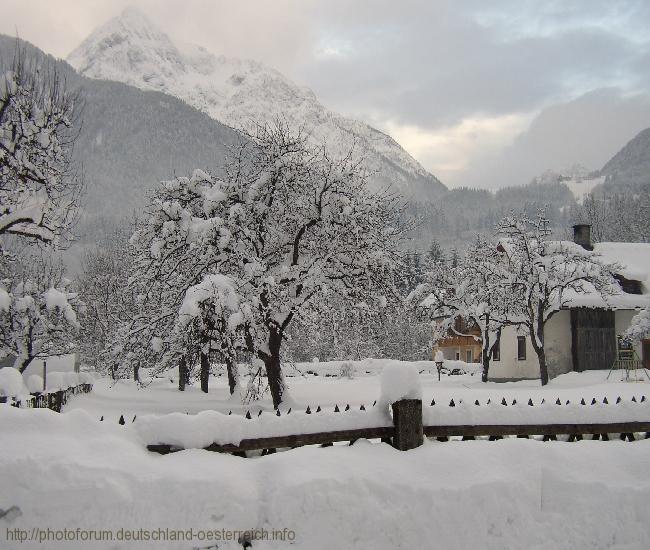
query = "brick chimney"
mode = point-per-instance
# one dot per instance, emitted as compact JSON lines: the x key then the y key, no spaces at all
{"x":582,"y":235}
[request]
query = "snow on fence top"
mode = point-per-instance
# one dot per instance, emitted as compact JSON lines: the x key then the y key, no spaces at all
{"x":400,"y":382}
{"x":528,"y":413}
{"x":34,"y":383}
{"x":207,"y":427}
{"x":63,"y":380}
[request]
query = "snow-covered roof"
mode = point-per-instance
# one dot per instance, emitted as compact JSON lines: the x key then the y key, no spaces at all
{"x":634,"y":262}
{"x":634,"y":258}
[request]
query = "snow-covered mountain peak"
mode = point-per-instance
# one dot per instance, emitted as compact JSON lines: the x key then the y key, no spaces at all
{"x":134,"y":45}
{"x":135,"y":22}
{"x":131,"y":49}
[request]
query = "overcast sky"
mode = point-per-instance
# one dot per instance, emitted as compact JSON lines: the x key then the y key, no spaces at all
{"x":483,"y":94}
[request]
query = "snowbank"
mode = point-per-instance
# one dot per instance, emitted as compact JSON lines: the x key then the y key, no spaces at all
{"x":505,"y":495}
{"x":400,"y":382}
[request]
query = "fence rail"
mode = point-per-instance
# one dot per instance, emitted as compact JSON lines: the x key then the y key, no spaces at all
{"x":408,"y":430}
{"x":289,"y":441}
{"x":531,"y":430}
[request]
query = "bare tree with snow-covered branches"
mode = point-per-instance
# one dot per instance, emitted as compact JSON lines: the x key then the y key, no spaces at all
{"x":38,"y":311}
{"x":473,"y":291}
{"x":286,"y":225}
{"x":639,"y":326}
{"x":544,"y":275}
{"x":39,"y":182}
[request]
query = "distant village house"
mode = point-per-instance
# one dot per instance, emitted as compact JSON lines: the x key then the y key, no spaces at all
{"x":582,"y":335}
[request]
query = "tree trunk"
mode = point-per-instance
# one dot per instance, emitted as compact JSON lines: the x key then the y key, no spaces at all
{"x":543,"y":368}
{"x":486,"y":364}
{"x":538,"y":336}
{"x":233,"y":375}
{"x":22,"y":366}
{"x":136,"y":373}
{"x":205,"y":372}
{"x":274,"y":368}
{"x":485,"y":355}
{"x":182,"y":374}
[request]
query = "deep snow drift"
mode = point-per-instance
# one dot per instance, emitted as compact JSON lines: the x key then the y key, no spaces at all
{"x":69,"y":470}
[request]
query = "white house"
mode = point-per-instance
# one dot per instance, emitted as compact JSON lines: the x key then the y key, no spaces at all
{"x":583,"y":335}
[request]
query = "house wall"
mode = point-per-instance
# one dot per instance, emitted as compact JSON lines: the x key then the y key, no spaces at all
{"x":449,"y":351}
{"x":558,"y":351}
{"x":559,"y":357}
{"x":509,"y":367}
{"x":558,"y":348}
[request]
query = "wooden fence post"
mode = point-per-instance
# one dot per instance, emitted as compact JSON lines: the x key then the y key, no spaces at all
{"x":58,"y":401}
{"x":407,"y":419}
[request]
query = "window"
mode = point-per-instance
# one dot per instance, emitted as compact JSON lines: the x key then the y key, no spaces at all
{"x":496,"y":351}
{"x":468,"y":356}
{"x":458,"y":356}
{"x":521,"y":348}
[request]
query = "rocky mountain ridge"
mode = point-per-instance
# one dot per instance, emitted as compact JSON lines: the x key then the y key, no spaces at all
{"x":131,"y":49}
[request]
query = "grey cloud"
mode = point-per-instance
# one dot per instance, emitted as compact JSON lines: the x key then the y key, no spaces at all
{"x":416,"y":62}
{"x":432,"y":69}
{"x":588,"y":130}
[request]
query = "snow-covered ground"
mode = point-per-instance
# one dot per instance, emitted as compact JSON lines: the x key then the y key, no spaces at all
{"x":161,"y":396}
{"x":70,"y":471}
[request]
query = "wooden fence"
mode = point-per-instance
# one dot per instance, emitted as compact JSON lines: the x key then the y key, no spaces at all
{"x":408,"y":431}
{"x":49,"y":400}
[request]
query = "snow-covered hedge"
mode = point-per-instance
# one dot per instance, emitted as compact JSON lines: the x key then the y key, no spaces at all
{"x":11,"y":383}
{"x":640,"y":325}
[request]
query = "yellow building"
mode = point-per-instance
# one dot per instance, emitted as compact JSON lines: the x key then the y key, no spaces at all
{"x":462,"y":343}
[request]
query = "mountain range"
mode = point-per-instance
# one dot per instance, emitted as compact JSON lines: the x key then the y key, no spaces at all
{"x":626,"y":172}
{"x":131,"y":139}
{"x":237,"y":92}
{"x":153,"y":109}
